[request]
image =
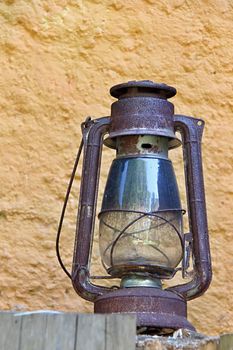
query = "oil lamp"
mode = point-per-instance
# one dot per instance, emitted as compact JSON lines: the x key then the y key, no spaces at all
{"x":141,"y":236}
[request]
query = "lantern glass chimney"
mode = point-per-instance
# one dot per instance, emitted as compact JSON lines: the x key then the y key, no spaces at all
{"x":141,"y":217}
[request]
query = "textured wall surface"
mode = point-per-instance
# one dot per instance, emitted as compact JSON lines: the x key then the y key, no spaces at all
{"x":58,"y":59}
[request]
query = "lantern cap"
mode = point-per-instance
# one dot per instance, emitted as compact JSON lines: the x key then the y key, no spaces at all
{"x":142,"y":87}
{"x":142,"y":108}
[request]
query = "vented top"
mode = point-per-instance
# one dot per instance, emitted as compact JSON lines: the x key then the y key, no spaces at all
{"x":142,"y":88}
{"x":142,"y":108}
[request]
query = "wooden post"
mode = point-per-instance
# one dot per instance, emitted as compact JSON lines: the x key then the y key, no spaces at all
{"x":66,"y":331}
{"x":48,"y":330}
{"x":10,"y":327}
{"x":226,"y":342}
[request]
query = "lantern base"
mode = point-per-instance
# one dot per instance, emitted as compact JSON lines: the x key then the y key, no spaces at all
{"x":154,"y":308}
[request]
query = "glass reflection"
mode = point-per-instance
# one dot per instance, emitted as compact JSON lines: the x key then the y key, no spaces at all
{"x":141,"y":216}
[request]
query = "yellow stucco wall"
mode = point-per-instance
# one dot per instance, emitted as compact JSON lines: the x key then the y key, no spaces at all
{"x":58,"y":59}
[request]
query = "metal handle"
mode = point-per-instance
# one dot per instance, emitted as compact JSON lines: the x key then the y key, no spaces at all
{"x":191,"y":130}
{"x":93,"y":132}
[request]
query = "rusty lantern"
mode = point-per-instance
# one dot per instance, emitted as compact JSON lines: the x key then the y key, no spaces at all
{"x":141,"y":236}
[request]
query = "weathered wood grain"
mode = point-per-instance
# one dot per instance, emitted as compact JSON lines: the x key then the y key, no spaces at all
{"x":226,"y":342}
{"x":91,"y":332}
{"x":66,"y":331}
{"x":33,"y":329}
{"x":60,"y":332}
{"x":9,"y":331}
{"x":120,"y":332}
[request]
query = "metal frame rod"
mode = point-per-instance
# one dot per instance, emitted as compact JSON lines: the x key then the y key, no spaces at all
{"x":93,"y":133}
{"x":191,"y":130}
